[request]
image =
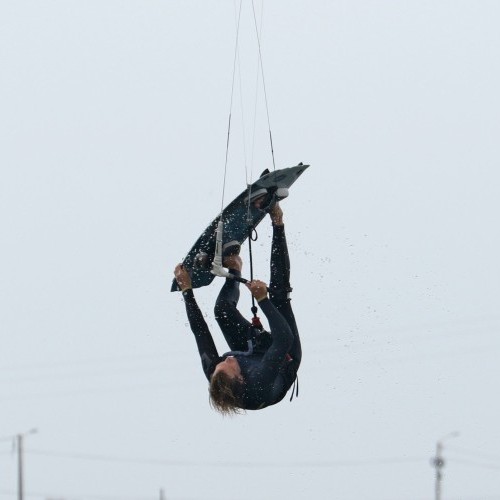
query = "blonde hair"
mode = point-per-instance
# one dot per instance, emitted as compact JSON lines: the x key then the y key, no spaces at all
{"x":223,"y":391}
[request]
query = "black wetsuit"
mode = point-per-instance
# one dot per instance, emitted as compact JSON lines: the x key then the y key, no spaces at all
{"x":270,"y":362}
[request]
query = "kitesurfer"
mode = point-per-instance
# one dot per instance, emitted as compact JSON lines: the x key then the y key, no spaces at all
{"x":261,"y":366}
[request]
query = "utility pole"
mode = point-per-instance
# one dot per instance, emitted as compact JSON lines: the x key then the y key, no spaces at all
{"x":162,"y":494}
{"x":20,"y":485}
{"x":438,"y":463}
{"x":20,"y":471}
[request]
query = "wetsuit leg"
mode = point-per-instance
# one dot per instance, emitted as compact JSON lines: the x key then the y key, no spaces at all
{"x":280,"y":287}
{"x":233,"y":325}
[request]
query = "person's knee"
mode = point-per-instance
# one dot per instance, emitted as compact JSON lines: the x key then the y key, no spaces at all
{"x":222,"y":307}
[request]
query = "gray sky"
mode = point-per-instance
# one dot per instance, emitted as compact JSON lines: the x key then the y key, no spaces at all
{"x":113,"y":120}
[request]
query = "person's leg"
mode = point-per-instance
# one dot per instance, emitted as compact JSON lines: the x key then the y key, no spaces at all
{"x":280,"y":279}
{"x":233,"y":325}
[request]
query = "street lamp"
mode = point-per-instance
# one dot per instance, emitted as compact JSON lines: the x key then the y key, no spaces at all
{"x":438,"y":462}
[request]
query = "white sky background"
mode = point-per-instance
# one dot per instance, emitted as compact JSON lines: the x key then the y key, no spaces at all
{"x":113,"y":119}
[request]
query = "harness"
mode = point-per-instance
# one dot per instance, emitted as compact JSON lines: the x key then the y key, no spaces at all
{"x":254,"y":344}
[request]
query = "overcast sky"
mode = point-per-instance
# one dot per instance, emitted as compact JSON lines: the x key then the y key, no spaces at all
{"x":113,"y":123}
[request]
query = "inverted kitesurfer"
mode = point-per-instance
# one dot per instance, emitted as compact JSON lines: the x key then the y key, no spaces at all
{"x":261,"y":366}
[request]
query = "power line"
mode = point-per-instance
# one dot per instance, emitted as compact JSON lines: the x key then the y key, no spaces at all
{"x":87,"y":372}
{"x":476,"y":497}
{"x":5,"y":492}
{"x":489,"y":456}
{"x":85,"y":361}
{"x":476,"y":464}
{"x":236,"y":464}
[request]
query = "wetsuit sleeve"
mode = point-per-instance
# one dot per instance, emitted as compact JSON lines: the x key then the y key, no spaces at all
{"x":204,"y":341}
{"x":282,"y":342}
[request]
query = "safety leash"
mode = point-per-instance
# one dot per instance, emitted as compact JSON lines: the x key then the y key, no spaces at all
{"x":255,"y":319}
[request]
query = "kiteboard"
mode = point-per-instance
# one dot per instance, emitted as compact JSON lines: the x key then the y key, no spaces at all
{"x":239,"y":218}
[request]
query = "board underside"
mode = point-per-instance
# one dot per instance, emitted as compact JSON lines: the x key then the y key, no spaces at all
{"x":238,"y":218}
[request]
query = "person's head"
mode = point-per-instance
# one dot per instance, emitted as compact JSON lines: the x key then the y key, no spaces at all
{"x":226,"y":386}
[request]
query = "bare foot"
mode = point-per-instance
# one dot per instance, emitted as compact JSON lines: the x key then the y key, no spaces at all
{"x":276,"y":215}
{"x":257,"y":203}
{"x":233,"y":262}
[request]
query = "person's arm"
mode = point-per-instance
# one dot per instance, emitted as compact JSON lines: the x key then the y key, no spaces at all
{"x":280,"y":331}
{"x":204,"y":341}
